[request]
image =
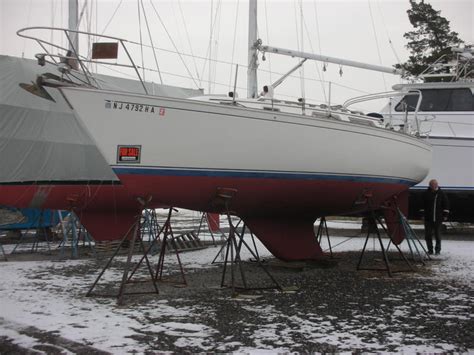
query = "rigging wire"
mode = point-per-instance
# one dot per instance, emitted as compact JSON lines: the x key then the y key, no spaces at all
{"x":89,"y":13}
{"x":177,"y":36}
{"x":233,"y":43}
{"x":208,"y":51}
{"x":318,"y":33}
{"x":377,"y":43}
{"x":151,"y":41}
{"x":111,"y":17}
{"x":295,"y":3}
{"x":296,"y":24}
{"x":303,"y":94}
{"x":61,"y":20}
{"x":282,"y":95}
{"x":84,"y":7}
{"x":28,"y":25}
{"x":387,"y":33}
{"x":141,"y":40}
{"x":174,"y":45}
{"x":89,"y":29}
{"x":240,"y":65}
{"x":189,"y":41}
{"x":216,"y":38}
{"x":96,"y":22}
{"x":52,"y":23}
{"x":322,"y":81}
{"x":210,"y":46}
{"x":268,"y":39}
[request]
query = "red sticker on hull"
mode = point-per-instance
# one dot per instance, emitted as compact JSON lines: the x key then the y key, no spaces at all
{"x":129,"y":153}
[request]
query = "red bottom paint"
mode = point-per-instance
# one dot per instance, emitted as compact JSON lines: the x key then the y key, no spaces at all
{"x":288,"y":239}
{"x":392,"y":217}
{"x":280,"y":212}
{"x":214,"y":221}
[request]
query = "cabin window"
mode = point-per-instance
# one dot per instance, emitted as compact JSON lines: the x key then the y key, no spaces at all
{"x":439,"y":100}
{"x":461,"y":100}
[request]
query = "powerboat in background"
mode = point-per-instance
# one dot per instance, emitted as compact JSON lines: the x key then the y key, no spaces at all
{"x":446,"y":118}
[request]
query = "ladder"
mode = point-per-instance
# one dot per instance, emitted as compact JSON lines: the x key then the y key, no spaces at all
{"x":186,"y":241}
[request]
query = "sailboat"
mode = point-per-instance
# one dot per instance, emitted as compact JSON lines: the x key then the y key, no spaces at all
{"x":278,"y":164}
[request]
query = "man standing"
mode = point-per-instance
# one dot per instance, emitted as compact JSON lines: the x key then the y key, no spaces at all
{"x":436,"y":206}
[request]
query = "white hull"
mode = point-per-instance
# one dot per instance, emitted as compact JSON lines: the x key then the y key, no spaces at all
{"x":453,"y":163}
{"x":187,"y":134}
{"x":452,"y":137}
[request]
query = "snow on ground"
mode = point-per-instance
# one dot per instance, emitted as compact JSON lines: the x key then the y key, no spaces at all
{"x":455,"y":262}
{"x":40,"y":294}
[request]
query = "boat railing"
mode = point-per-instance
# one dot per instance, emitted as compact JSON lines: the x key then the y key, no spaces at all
{"x":458,"y":69}
{"x":73,"y":55}
{"x":300,"y":107}
{"x":390,"y":95}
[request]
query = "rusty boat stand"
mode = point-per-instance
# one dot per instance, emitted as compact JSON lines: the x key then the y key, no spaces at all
{"x":374,"y":221}
{"x":155,"y":275}
{"x":233,"y":247}
{"x":323,"y":229}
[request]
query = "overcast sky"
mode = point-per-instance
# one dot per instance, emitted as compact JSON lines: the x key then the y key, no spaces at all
{"x":336,"y":28}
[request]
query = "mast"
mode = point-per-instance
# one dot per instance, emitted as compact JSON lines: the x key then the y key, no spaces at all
{"x":73,"y":24}
{"x":252,"y":86}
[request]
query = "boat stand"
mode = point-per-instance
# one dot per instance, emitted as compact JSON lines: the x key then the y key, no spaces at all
{"x":169,"y":238}
{"x":3,"y":252}
{"x":323,"y":229}
{"x":205,"y":218}
{"x":166,"y":236}
{"x":150,"y":226}
{"x":418,"y":252}
{"x":221,"y":253}
{"x":374,"y":222}
{"x":134,"y":232}
{"x":39,"y":232}
{"x":253,"y":242}
{"x":233,"y":247}
{"x":70,"y":227}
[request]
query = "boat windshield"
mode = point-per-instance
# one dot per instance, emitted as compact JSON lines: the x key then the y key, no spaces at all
{"x":439,"y":100}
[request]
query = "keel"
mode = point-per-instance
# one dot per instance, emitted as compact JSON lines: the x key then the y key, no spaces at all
{"x":288,"y":239}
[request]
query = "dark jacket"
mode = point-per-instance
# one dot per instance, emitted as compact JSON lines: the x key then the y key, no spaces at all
{"x":435,"y":204}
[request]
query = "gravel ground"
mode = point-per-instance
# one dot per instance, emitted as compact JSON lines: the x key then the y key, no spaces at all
{"x":324,"y":307}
